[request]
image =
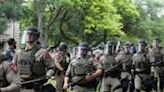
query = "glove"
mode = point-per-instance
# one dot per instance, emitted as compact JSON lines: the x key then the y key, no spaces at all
{"x":152,"y":75}
{"x":50,"y":73}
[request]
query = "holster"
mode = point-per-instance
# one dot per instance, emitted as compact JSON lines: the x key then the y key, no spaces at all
{"x":112,"y":74}
{"x":58,"y":72}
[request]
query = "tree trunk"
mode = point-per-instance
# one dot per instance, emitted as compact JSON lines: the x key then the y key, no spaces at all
{"x":39,"y":14}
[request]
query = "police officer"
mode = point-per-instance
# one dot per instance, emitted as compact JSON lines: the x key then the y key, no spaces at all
{"x":33,"y":61}
{"x":110,"y":81}
{"x":9,"y":77}
{"x":82,"y":68}
{"x":97,"y":54}
{"x":62,"y":60}
{"x":155,"y":56}
{"x":125,"y":57}
{"x":141,"y":66}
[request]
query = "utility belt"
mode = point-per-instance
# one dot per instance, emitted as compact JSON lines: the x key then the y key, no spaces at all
{"x":58,"y":72}
{"x":125,"y":70}
{"x":143,"y":72}
{"x":30,"y":77}
{"x":112,"y":74}
{"x":84,"y":83}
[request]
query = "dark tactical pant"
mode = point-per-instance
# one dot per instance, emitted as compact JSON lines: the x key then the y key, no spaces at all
{"x":143,"y":82}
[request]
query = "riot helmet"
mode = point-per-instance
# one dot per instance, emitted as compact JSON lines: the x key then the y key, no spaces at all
{"x":31,"y":34}
{"x":108,"y":48}
{"x":127,"y":47}
{"x":82,"y":49}
{"x":142,"y":45}
{"x":63,"y":47}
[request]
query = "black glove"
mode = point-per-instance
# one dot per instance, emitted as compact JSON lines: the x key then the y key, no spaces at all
{"x":152,"y":75}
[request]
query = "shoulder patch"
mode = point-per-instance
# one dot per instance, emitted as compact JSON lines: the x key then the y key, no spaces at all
{"x":47,"y":56}
{"x":14,"y":68}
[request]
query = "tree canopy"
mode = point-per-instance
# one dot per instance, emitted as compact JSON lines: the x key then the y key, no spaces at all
{"x":94,"y":21}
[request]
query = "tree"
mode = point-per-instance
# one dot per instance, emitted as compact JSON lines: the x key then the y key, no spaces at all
{"x":149,"y":23}
{"x":86,"y":18}
{"x":10,"y":10}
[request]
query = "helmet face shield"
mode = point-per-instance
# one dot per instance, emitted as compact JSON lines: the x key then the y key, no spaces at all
{"x":82,"y":52}
{"x":30,"y":37}
{"x":126,"y":48}
{"x":108,"y":49}
{"x":141,"y":47}
{"x":63,"y":47}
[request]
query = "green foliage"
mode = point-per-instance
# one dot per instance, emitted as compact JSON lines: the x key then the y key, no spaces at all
{"x":9,"y":10}
{"x":101,"y":15}
{"x":150,"y":23}
{"x":94,"y":21}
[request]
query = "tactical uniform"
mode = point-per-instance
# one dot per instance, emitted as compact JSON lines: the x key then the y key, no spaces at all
{"x":81,"y":68}
{"x":126,"y":59}
{"x":141,"y":66}
{"x":110,"y":81}
{"x":156,"y":56}
{"x":64,"y":60}
{"x":9,"y":78}
{"x":34,"y":62}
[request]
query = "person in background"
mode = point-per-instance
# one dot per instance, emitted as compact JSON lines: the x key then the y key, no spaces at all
{"x":11,"y":49}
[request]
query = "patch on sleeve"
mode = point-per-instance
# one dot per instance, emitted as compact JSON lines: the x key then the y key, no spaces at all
{"x":47,"y":56}
{"x":14,"y":68}
{"x":58,"y":58}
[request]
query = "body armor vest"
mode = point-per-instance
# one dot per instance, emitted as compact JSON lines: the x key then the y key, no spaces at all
{"x":109,"y":61}
{"x":28,"y":64}
{"x":127,"y":58}
{"x":156,"y":53}
{"x":141,"y":62}
{"x":64,"y":63}
{"x":80,"y":68}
